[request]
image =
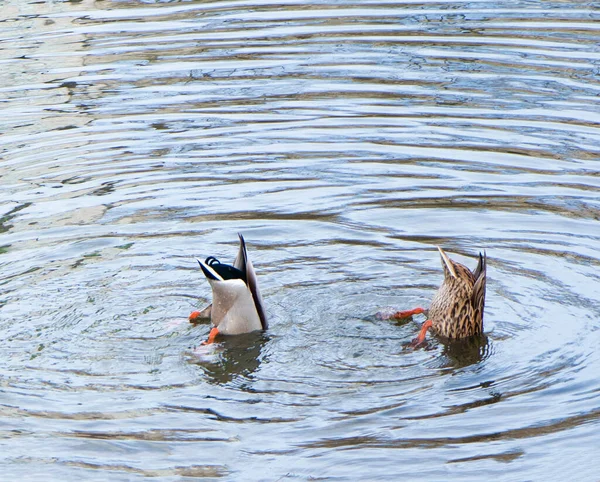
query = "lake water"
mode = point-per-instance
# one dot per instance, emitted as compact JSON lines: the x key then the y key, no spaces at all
{"x":345,"y":141}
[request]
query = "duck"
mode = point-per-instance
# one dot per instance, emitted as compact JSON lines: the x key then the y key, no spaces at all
{"x":237,"y":304}
{"x":456,"y":310}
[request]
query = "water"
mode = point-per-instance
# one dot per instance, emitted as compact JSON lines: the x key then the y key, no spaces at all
{"x":345,"y":141}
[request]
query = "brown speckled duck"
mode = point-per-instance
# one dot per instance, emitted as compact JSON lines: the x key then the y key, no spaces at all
{"x":457,"y":307}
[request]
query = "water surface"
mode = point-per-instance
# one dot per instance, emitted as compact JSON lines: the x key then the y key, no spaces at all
{"x":345,"y":141}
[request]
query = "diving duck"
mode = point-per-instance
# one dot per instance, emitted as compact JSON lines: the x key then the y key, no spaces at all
{"x":237,"y":305}
{"x":457,"y":307}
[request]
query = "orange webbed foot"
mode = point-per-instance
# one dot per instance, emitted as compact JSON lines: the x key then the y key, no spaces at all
{"x":199,"y":316}
{"x":421,"y":337}
{"x":389,"y":314}
{"x":211,"y":337}
{"x":399,"y":315}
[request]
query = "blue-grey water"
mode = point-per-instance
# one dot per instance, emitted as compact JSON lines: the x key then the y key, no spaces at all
{"x":345,"y":141}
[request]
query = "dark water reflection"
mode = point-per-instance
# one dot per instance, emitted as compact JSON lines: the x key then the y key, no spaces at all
{"x":234,"y":358}
{"x":462,"y":353}
{"x":346,"y":142}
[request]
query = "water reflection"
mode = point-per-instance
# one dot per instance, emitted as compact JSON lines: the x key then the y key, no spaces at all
{"x":465,"y":352}
{"x":455,"y":354}
{"x":232,"y":358}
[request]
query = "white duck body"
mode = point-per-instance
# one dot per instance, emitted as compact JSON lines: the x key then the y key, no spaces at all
{"x":233,"y":309}
{"x":237,"y":305}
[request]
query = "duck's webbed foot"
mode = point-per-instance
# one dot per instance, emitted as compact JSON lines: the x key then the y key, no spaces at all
{"x":398,"y":315}
{"x":198,"y":316}
{"x":211,"y":337}
{"x":421,"y":337}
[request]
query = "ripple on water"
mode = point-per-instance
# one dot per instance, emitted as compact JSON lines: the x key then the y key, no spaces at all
{"x":346,"y":142}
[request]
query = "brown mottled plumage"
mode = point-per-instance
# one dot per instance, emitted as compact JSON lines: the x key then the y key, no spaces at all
{"x":457,"y":308}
